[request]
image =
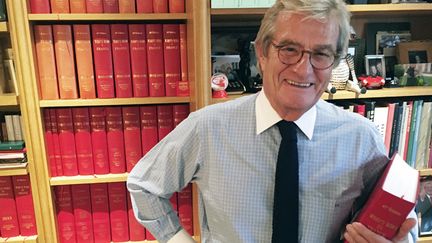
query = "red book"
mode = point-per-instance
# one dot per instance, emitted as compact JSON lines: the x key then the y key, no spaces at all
{"x":24,"y":204}
{"x":149,"y":127}
{"x":49,"y":143}
{"x":103,"y":65}
{"x":176,"y":6}
{"x":65,"y":216}
{"x":56,"y":142}
{"x":99,"y":140}
{"x":77,"y":6}
{"x":82,"y":212}
{"x":84,"y":61}
{"x":132,"y":135}
{"x":393,"y":197}
{"x":121,"y":58}
{"x":180,"y":111}
{"x":67,"y":141}
{"x":127,"y":6}
{"x":8,"y":215}
{"x":40,"y":6}
{"x":100,"y":212}
{"x":110,"y":6}
{"x":115,"y":138}
{"x":118,"y":211}
{"x":160,"y":6}
{"x":185,"y":208}
{"x":144,"y":6}
{"x":360,"y":109}
{"x":387,"y":139}
{"x":183,"y":85}
{"x":171,"y":38}
{"x":64,"y":54}
{"x":136,"y":230}
{"x":46,"y":63}
{"x":60,"y":6}
{"x":155,"y":54}
{"x":165,"y":120}
{"x":83,"y":142}
{"x":138,"y":54}
{"x":94,"y":6}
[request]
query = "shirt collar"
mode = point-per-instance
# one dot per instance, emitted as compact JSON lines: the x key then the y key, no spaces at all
{"x":266,"y":117}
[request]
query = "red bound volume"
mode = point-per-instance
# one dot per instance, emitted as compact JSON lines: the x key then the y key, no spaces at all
{"x":8,"y":215}
{"x":115,"y":138}
{"x":40,"y":6}
{"x":100,"y":212}
{"x":83,"y":142}
{"x":60,"y":6}
{"x":103,"y":65}
{"x":65,"y":60}
{"x":185,"y":208}
{"x":155,"y":54}
{"x":56,"y":142}
{"x":118,"y":211}
{"x":99,"y":140}
{"x":121,"y":58}
{"x":136,"y":230}
{"x":67,"y":141}
{"x":181,"y":111}
{"x":144,"y":6}
{"x":77,"y":6}
{"x":110,"y":6}
{"x":84,"y":61}
{"x":82,"y":213}
{"x":132,"y":135}
{"x":24,"y":204}
{"x":94,"y":6}
{"x":149,"y":127}
{"x":176,"y":6}
{"x":183,"y":85}
{"x":127,"y":6}
{"x":65,"y":216}
{"x":138,"y":53}
{"x":171,"y":38}
{"x":46,"y":63}
{"x":160,"y":6}
{"x":165,"y":120}
{"x":49,"y":143}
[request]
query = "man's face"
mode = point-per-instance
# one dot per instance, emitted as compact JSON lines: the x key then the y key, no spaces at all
{"x":428,"y":187}
{"x":293,"y":89}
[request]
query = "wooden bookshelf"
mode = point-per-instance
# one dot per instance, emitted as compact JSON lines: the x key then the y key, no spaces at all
{"x":4,"y":27}
{"x":9,"y":99}
{"x":107,"y":17}
{"x":20,"y":239}
{"x":87,"y":179}
{"x":425,"y":239}
{"x":113,"y":101}
{"x":14,"y":169}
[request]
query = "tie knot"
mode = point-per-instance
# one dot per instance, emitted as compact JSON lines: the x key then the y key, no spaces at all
{"x":288,"y":130}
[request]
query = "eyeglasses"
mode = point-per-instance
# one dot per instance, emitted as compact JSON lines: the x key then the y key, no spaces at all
{"x":292,"y":54}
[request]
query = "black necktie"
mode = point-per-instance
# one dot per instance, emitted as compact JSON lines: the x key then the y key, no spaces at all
{"x":286,"y":194}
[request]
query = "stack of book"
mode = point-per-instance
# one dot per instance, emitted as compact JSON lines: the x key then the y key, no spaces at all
{"x":12,"y":152}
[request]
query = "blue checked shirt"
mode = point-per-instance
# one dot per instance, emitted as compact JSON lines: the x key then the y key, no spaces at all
{"x":230,"y":151}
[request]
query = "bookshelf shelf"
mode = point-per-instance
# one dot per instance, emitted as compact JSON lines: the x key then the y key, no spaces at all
{"x":13,"y":169}
{"x":87,"y":179}
{"x":20,"y":239}
{"x":9,"y":100}
{"x":106,"y":17}
{"x":426,"y":172}
{"x":114,"y":101}
{"x":4,"y":27}
{"x":425,"y":239}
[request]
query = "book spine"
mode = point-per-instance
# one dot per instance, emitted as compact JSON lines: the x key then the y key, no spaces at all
{"x":176,"y":6}
{"x":67,"y":141}
{"x":136,"y":230}
{"x":77,"y":6}
{"x":171,"y":45}
{"x":127,"y":6}
{"x":65,"y":57}
{"x":138,"y":53}
{"x":121,"y":59}
{"x":102,"y":54}
{"x":40,"y":6}
{"x":100,"y":212}
{"x":10,"y":128}
{"x":183,"y":85}
{"x":99,"y":140}
{"x":82,"y":212}
{"x":84,"y":61}
{"x":115,"y":138}
{"x":118,"y":211}
{"x":185,"y":208}
{"x":46,"y":63}
{"x":24,"y":205}
{"x":16,"y":121}
{"x":144,"y":6}
{"x":94,"y":6}
{"x":156,"y":66}
{"x":110,"y":6}
{"x":132,"y":135}
{"x":165,"y":120}
{"x":49,"y":143}
{"x":60,"y":6}
{"x":8,"y":215}
{"x":83,"y":142}
{"x":160,"y":6}
{"x":56,"y":142}
{"x":65,"y":216}
{"x":180,"y":112}
{"x":149,"y":127}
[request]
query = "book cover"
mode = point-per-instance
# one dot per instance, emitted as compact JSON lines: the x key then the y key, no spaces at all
{"x":103,"y":63}
{"x":183,"y":85}
{"x":99,"y":140}
{"x":118,"y":211}
{"x":56,"y":142}
{"x":115,"y":138}
{"x":389,"y":126}
{"x":121,"y":60}
{"x":83,"y":142}
{"x":176,"y":6}
{"x":60,"y":6}
{"x":94,"y":6}
{"x":149,"y":127}
{"x":65,"y":215}
{"x":49,"y":143}
{"x":100,"y":212}
{"x":8,"y":215}
{"x":132,"y":135}
{"x":171,"y":51}
{"x":160,"y":6}
{"x":11,"y":145}
{"x":110,"y":6}
{"x":82,"y":212}
{"x":67,"y":141}
{"x":24,"y":205}
{"x":185,"y":208}
{"x":77,"y":6}
{"x":144,"y":6}
{"x":40,"y":6}
{"x":138,"y":53}
{"x":165,"y":120}
{"x":127,"y":6}
{"x":156,"y":66}
{"x":180,"y":112}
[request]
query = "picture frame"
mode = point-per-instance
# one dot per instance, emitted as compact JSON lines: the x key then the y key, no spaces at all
{"x":415,"y":52}
{"x":423,"y":206}
{"x":375,"y":65}
{"x":414,"y":74}
{"x":371,"y":30}
{"x":356,"y":48}
{"x":386,"y":41}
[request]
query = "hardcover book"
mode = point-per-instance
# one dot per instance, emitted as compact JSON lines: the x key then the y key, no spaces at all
{"x":99,"y":140}
{"x":24,"y":205}
{"x":100,"y":212}
{"x":115,"y":138}
{"x":103,"y":63}
{"x":138,"y":53}
{"x":84,"y":61}
{"x":82,"y":212}
{"x":8,"y":215}
{"x":83,"y":142}
{"x":121,"y":60}
{"x":156,"y":54}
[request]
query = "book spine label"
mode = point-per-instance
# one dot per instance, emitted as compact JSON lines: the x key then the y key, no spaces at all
{"x":180,"y":112}
{"x":110,"y":6}
{"x":24,"y":204}
{"x":103,"y":65}
{"x":8,"y":215}
{"x":165,"y":120}
{"x":132,"y":135}
{"x":138,"y":52}
{"x":118,"y":212}
{"x":84,"y":61}
{"x":171,"y":45}
{"x":67,"y":141}
{"x":82,"y":212}
{"x":121,"y":58}
{"x":144,"y":6}
{"x":149,"y":127}
{"x":94,"y":6}
{"x":115,"y":138}
{"x":156,"y":66}
{"x":83,"y":142}
{"x":100,"y":212}
{"x":65,"y":216}
{"x":99,"y":140}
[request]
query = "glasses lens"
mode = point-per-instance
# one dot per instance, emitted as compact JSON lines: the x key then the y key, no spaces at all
{"x":292,"y":54}
{"x":322,"y":60}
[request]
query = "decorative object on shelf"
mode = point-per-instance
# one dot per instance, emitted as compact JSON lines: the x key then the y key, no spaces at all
{"x":372,"y":82}
{"x":229,"y":65}
{"x":340,"y":77}
{"x":414,"y":74}
{"x":219,"y":82}
{"x":415,"y":52}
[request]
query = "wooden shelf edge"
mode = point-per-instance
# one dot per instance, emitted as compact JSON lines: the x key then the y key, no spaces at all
{"x":13,"y":170}
{"x":426,"y":172}
{"x":426,"y":239}
{"x":9,"y":99}
{"x":4,"y":27}
{"x":26,"y":239}
{"x":114,"y":101}
{"x":107,"y":17}
{"x":87,"y":179}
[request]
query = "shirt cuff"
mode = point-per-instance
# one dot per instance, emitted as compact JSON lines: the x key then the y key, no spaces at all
{"x":181,"y":237}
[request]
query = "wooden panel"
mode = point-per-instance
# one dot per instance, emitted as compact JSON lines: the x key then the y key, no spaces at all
{"x":114,"y":101}
{"x":25,"y":239}
{"x":107,"y":17}
{"x":87,"y":179}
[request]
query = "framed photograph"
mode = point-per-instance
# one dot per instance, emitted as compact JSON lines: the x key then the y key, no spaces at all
{"x":414,"y":74}
{"x":375,"y":65}
{"x":415,"y":52}
{"x":386,"y":41}
{"x":371,"y":30}
{"x":356,"y":48}
{"x":423,"y":206}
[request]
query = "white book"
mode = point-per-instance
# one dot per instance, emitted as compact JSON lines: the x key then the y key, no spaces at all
{"x":9,"y":128}
{"x":404,"y":127}
{"x":16,"y":120}
{"x":11,"y":76}
{"x":424,"y":137}
{"x":380,"y":120}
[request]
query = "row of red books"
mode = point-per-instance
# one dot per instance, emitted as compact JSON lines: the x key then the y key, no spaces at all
{"x":107,"y":6}
{"x":103,"y":140}
{"x":17,"y":215}
{"x":103,"y":213}
{"x":111,"y":60}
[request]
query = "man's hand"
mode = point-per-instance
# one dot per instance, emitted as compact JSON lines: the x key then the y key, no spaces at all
{"x":358,"y":233}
